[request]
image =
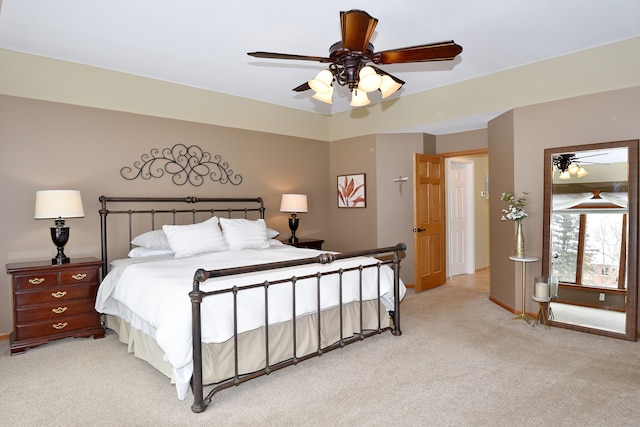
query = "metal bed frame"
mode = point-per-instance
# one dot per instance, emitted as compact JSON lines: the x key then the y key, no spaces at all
{"x":200,"y":276}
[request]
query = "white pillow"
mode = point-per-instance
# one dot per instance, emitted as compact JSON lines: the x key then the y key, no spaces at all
{"x":272,"y":234}
{"x":193,"y":239}
{"x":144,"y":252}
{"x":244,"y":233}
{"x":155,"y":239}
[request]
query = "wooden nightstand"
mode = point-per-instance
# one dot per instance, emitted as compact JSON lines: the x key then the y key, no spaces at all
{"x":306,"y":243}
{"x":54,"y":301}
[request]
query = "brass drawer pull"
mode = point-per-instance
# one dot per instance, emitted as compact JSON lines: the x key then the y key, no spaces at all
{"x":58,"y":294}
{"x":59,"y":325}
{"x":59,"y":310}
{"x":36,"y":280}
{"x":79,"y":276}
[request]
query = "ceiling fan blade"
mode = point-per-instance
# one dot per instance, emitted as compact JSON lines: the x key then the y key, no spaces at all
{"x":443,"y":51}
{"x":271,"y":55}
{"x":304,"y":86}
{"x":357,"y":29}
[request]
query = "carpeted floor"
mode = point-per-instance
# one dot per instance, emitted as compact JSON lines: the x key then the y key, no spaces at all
{"x":461,"y":361}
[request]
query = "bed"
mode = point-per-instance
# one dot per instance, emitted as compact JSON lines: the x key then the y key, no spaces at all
{"x":201,"y":290}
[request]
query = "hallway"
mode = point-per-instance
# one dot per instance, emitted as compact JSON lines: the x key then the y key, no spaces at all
{"x":479,"y":280}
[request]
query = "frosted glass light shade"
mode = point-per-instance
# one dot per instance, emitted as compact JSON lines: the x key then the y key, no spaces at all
{"x":293,"y":203}
{"x":369,"y":80}
{"x":325,"y":97}
{"x":58,"y":204}
{"x":359,"y":98}
{"x":573,"y":168}
{"x":564,"y":175}
{"x":388,"y":86}
{"x":582,"y":172}
{"x":321,"y":83}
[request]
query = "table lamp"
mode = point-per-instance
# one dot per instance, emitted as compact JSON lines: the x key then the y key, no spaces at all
{"x":294,"y":203}
{"x":58,"y":205}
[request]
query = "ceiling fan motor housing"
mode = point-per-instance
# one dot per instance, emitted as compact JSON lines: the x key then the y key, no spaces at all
{"x":346,"y":64}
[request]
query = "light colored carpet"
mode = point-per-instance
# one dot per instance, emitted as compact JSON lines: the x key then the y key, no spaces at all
{"x":461,"y":361}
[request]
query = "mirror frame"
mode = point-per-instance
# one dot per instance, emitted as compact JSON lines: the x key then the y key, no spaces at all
{"x":631,"y":326}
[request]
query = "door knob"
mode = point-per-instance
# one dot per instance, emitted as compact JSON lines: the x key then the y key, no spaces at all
{"x":418,"y":230}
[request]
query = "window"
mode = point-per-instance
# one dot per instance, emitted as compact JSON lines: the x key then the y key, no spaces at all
{"x":589,"y":248}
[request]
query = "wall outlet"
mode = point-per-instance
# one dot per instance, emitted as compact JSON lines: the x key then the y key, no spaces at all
{"x":601,"y":296}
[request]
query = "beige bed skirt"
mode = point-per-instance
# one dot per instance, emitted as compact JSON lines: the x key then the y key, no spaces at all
{"x":218,"y":358}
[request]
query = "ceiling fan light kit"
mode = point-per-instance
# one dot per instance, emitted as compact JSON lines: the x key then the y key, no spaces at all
{"x":359,"y":98}
{"x":325,"y":96}
{"x":369,"y":79}
{"x":389,"y":86}
{"x":567,"y":165}
{"x":322,"y":82}
{"x":349,"y":58}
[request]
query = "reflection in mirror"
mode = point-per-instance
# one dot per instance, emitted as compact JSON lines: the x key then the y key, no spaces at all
{"x":590,"y":223}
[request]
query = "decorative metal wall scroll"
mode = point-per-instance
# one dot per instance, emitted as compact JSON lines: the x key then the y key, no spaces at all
{"x":185,"y":165}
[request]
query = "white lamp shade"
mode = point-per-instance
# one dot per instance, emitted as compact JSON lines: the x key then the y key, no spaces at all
{"x":389,"y":86}
{"x":582,"y":172}
{"x":359,"y":98}
{"x":573,"y":168}
{"x":369,"y":80}
{"x":565,"y":175}
{"x":58,"y":204}
{"x":293,"y":203}
{"x":322,"y":82}
{"x":325,"y":97}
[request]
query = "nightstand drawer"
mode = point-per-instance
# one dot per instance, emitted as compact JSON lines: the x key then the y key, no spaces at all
{"x":57,"y":294}
{"x":35,"y":281}
{"x":57,"y":326}
{"x":78,"y":276}
{"x":54,"y":312}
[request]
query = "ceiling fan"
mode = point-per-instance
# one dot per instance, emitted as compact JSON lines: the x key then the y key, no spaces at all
{"x":570,"y":164}
{"x":349,"y":57}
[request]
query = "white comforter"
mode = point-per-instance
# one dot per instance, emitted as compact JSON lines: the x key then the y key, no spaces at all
{"x":152,"y":295}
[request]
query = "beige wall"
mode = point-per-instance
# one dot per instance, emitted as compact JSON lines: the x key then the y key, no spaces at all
{"x":462,"y":141}
{"x":503,"y":287}
{"x":353,"y":228}
{"x":594,"y":70}
{"x":516,"y":151}
{"x":395,"y":209}
{"x":49,"y":145}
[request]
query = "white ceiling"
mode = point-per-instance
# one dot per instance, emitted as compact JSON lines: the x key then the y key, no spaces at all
{"x":203,"y":43}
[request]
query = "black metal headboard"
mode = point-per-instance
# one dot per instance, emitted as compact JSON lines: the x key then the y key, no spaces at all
{"x":173,"y":207}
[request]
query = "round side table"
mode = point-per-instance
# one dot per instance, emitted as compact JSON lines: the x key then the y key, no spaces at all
{"x":524,"y":260}
{"x":542,"y":312}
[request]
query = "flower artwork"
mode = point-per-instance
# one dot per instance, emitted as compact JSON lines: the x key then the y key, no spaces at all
{"x":515,"y":212}
{"x":351,"y":191}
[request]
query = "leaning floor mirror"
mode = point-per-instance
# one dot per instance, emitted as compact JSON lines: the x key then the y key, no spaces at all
{"x":590,"y":227}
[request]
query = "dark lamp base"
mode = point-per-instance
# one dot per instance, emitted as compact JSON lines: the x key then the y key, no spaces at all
{"x":60,"y":261}
{"x":60,"y":236}
{"x":293,"y":226}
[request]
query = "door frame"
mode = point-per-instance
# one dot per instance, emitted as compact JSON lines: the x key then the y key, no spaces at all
{"x":463,"y":153}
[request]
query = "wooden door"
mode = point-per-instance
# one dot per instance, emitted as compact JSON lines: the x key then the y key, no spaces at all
{"x":429,"y":221}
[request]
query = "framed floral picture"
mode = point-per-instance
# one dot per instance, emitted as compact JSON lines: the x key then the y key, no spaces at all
{"x":352,"y":191}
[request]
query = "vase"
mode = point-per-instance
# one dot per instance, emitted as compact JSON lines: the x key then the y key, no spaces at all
{"x":519,"y":241}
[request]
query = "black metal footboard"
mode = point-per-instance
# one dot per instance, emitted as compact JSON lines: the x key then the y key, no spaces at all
{"x":200,"y":402}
